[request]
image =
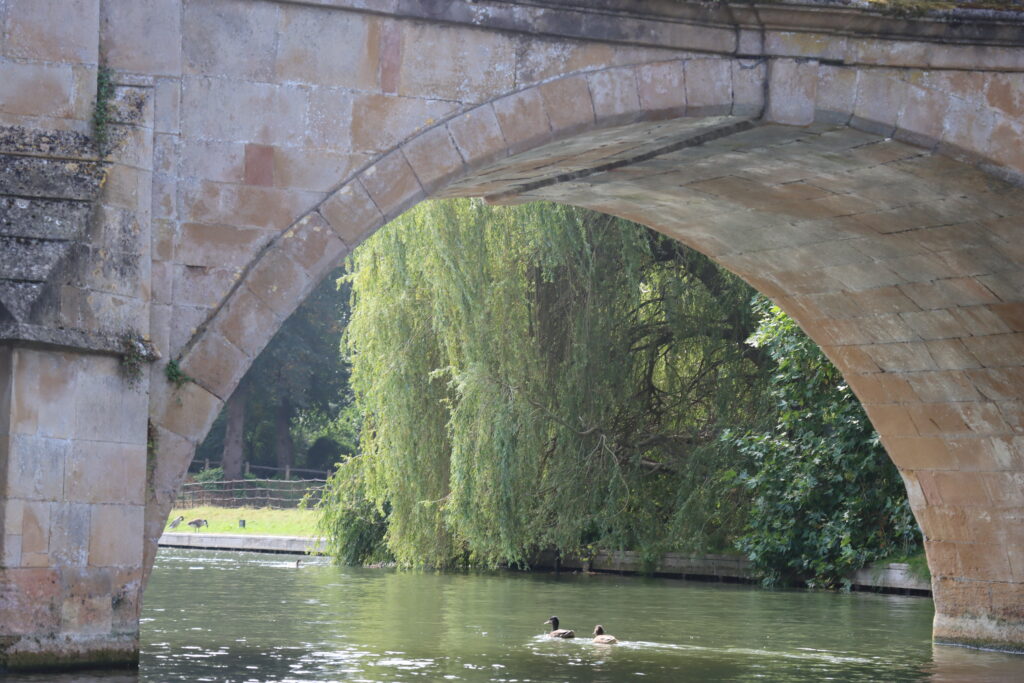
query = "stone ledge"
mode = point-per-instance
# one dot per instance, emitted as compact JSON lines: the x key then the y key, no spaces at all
{"x":257,"y":544}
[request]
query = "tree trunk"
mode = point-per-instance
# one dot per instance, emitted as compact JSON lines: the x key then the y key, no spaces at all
{"x":283,"y":447}
{"x":234,"y":435}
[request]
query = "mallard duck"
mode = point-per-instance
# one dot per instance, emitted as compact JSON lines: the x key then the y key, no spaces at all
{"x":603,"y":638}
{"x":558,"y":632}
{"x":198,"y":523}
{"x":176,"y":521}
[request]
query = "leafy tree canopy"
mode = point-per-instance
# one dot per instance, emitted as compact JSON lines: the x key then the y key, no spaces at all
{"x":540,"y":376}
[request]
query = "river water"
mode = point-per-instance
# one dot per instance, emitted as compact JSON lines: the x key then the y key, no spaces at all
{"x":218,"y":616}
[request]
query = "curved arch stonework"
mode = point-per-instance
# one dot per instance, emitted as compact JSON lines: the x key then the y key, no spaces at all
{"x":869,"y":184}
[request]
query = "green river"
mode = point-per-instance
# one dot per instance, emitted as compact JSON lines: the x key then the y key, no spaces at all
{"x":219,"y":616}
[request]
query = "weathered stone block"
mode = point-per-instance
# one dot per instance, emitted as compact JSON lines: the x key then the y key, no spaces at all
{"x":141,"y":36}
{"x":69,"y":535}
{"x":188,"y":410}
{"x":107,"y":407}
{"x":313,"y":245}
{"x":246,"y":321}
{"x":523,"y":120}
{"x":328,"y":48}
{"x":615,"y":95}
{"x":708,"y":87}
{"x":315,"y":170}
{"x":35,"y":467}
{"x":115,"y":536}
{"x":380,"y":122}
{"x":34,"y":31}
{"x":792,"y":91}
{"x":35,"y":534}
{"x":461,"y":65}
{"x":661,"y":87}
{"x":224,"y":246}
{"x":352,"y":213}
{"x":215,"y":364}
{"x":477,"y":134}
{"x":279,"y":282}
{"x":434,"y":157}
{"x":230,"y":38}
{"x":105,"y":472}
{"x":392,"y":184}
{"x":37,"y":89}
{"x":222,"y":109}
{"x":568,"y":103}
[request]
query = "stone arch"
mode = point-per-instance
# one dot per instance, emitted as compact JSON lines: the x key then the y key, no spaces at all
{"x":950,"y":423}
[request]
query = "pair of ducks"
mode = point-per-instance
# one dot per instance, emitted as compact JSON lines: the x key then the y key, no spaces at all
{"x":599,"y":635}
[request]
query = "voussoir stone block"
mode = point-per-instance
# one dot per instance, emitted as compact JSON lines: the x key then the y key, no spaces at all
{"x":216,"y":364}
{"x":523,"y":120}
{"x":615,"y":94}
{"x":187,"y":411}
{"x":433,"y":157}
{"x":279,"y":282}
{"x":568,"y":103}
{"x":708,"y":87}
{"x":352,"y":213}
{"x":792,"y":88}
{"x":662,"y":87}
{"x":392,"y":184}
{"x":245,"y":320}
{"x":478,"y":137}
{"x":313,"y":245}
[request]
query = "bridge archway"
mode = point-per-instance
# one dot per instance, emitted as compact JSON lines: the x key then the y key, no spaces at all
{"x":865,"y":177}
{"x":899,"y":261}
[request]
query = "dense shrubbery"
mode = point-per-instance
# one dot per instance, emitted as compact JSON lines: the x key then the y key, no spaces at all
{"x":826,"y":499}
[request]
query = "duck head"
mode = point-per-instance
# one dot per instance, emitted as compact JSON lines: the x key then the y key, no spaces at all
{"x":554,"y":623}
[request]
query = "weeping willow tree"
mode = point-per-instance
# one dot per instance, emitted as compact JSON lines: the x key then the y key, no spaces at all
{"x":539,"y":377}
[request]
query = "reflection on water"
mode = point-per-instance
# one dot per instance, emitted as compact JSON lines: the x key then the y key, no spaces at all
{"x":213,"y":616}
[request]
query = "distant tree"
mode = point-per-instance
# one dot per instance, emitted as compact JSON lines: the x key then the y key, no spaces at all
{"x":299,"y":371}
{"x":826,"y":498}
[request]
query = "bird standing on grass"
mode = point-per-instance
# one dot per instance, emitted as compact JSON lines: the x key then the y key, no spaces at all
{"x":176,"y":521}
{"x":197,"y":523}
{"x":558,"y":632}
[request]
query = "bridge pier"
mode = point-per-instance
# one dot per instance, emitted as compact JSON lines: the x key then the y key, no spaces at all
{"x":72,"y":482}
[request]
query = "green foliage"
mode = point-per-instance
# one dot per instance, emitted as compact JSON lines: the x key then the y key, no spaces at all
{"x":209,"y":478}
{"x":136,"y":351}
{"x":826,"y":498}
{"x":301,"y":374}
{"x":541,"y":376}
{"x":101,"y":111}
{"x":353,"y":527}
{"x":175,"y":375}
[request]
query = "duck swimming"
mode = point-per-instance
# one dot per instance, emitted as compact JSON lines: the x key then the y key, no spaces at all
{"x":559,"y":632}
{"x":603,"y":638}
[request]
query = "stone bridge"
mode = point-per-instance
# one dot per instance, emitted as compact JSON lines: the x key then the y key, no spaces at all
{"x":864,"y":170}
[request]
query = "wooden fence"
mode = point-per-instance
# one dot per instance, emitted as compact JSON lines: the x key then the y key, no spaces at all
{"x":272,"y":493}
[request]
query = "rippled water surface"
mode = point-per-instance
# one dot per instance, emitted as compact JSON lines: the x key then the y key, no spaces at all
{"x":213,"y":616}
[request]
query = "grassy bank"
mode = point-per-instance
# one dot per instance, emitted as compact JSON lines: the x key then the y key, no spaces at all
{"x":258,"y":521}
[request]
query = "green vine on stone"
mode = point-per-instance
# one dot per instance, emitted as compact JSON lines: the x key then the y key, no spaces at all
{"x":175,"y":375}
{"x":101,"y":114}
{"x":136,"y":351}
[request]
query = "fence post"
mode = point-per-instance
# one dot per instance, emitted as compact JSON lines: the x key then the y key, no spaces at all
{"x":247,"y":468}
{"x":206,"y":464}
{"x":287,"y":472}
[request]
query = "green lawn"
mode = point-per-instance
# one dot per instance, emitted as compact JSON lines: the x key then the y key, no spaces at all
{"x":258,"y":521}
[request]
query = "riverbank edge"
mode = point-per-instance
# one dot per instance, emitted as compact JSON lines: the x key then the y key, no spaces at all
{"x":892,"y":577}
